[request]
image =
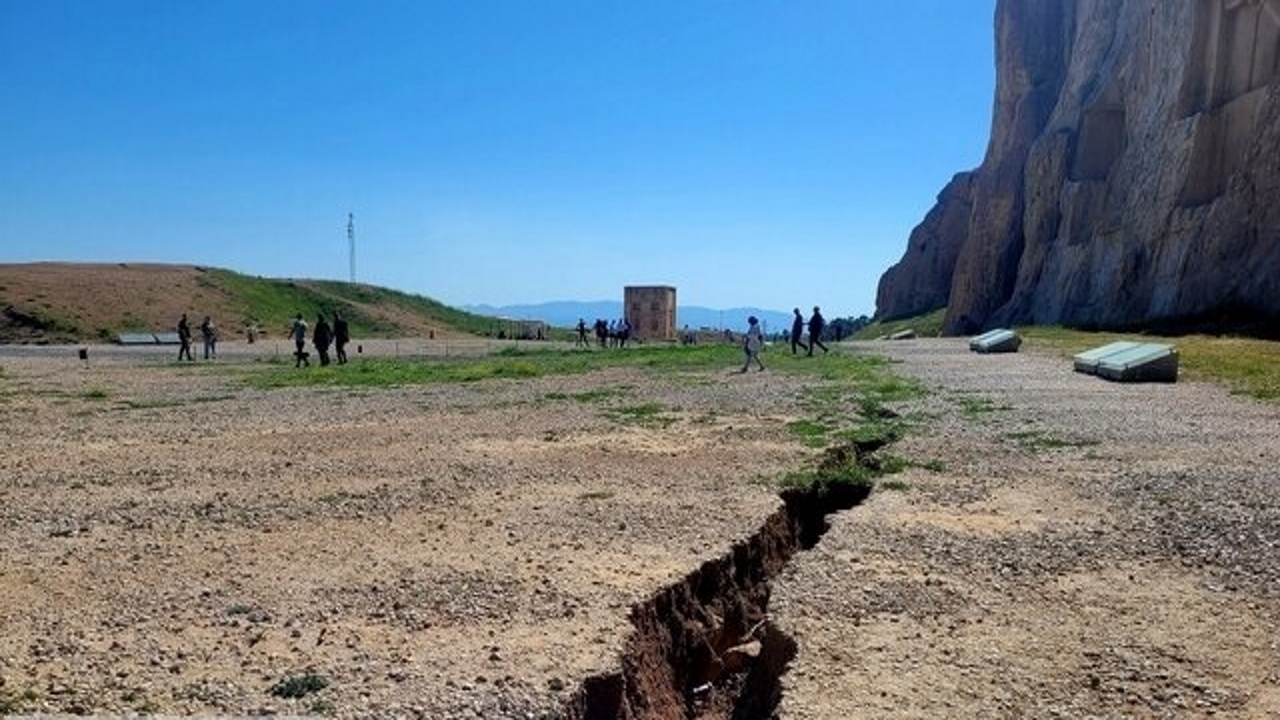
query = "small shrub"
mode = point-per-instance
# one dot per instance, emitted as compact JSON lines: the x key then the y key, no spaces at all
{"x":297,"y":686}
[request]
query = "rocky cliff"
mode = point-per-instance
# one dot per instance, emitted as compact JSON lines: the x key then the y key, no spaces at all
{"x":1132,"y":177}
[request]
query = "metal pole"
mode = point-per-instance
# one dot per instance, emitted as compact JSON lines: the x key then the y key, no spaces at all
{"x":351,"y":243}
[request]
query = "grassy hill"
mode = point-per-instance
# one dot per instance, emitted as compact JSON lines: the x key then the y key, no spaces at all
{"x":76,"y":302}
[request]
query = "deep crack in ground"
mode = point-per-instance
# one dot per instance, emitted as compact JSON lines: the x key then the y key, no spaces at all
{"x":704,"y":647}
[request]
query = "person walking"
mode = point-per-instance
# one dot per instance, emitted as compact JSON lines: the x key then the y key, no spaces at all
{"x":321,"y":337}
{"x":752,"y":342}
{"x":816,"y":325}
{"x":797,"y":329}
{"x":184,"y":339}
{"x":299,"y":334}
{"x":582,"y":333}
{"x":209,"y":334}
{"x":341,"y":336}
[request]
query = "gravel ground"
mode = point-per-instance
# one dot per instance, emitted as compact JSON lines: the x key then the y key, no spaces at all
{"x":1080,"y":549}
{"x":175,"y":542}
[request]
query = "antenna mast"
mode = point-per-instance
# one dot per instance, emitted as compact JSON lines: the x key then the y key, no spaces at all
{"x":351,"y":243}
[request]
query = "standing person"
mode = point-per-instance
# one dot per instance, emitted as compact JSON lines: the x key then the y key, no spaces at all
{"x":341,"y":336}
{"x":816,"y":325}
{"x":184,"y":338}
{"x":321,"y":337}
{"x":209,"y":334}
{"x":797,"y":328}
{"x":299,"y":334}
{"x":752,"y":341}
{"x":582,"y":333}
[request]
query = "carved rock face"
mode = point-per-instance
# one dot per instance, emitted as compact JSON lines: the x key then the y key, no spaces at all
{"x":1131,"y":177}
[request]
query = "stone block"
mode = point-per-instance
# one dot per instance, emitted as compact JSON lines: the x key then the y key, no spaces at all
{"x":1150,"y":362}
{"x":1001,"y":340}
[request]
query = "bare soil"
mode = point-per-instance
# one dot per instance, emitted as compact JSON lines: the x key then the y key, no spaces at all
{"x":1081,"y":549}
{"x":1061,"y":547}
{"x":174,"y":542}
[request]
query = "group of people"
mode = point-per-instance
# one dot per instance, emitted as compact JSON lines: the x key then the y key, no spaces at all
{"x":208,"y":332}
{"x":611,"y":333}
{"x":753,"y":339}
{"x":322,"y":336}
{"x":817,"y":325}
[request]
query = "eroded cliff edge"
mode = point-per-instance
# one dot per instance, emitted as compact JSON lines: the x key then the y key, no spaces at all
{"x":1132,"y":176}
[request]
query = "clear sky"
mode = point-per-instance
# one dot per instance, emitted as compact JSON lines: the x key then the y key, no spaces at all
{"x":768,"y":153}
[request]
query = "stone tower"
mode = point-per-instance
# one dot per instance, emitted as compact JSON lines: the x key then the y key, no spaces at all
{"x":651,"y":310}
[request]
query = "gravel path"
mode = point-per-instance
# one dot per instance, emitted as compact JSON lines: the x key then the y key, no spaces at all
{"x":1080,"y":549}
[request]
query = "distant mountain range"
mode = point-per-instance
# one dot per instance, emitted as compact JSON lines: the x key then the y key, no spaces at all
{"x":565,"y":313}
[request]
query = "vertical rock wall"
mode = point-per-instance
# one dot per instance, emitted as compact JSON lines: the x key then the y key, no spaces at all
{"x":1132,"y":176}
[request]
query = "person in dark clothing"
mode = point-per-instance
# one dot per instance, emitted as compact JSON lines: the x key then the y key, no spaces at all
{"x":816,"y":325}
{"x":341,"y":336}
{"x":209,"y":332}
{"x":602,"y":332}
{"x":797,"y":329}
{"x":321,"y":337}
{"x":582,"y":332}
{"x":299,"y":334}
{"x":184,"y":338}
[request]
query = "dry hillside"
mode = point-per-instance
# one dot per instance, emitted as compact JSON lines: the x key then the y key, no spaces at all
{"x":68,"y":302}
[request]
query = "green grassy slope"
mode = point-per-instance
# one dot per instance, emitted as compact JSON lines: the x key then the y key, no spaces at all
{"x":372,"y":311}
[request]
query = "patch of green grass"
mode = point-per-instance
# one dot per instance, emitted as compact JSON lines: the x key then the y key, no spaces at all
{"x":1247,"y":366}
{"x":893,"y":464}
{"x":94,"y":394}
{"x":868,"y":374}
{"x":926,"y":325}
{"x":1041,"y":440}
{"x":296,"y":686}
{"x":587,"y":396}
{"x":975,"y":406}
{"x":826,"y":479}
{"x":873,"y":432}
{"x":812,"y":434}
{"x":271,"y":304}
{"x":894,"y":485}
{"x":652,"y":415}
{"x":934,"y":466}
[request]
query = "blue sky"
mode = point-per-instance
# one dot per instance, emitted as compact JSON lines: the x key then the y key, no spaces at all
{"x":751,"y":153}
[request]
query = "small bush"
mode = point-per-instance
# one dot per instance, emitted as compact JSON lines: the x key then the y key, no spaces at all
{"x":297,"y":686}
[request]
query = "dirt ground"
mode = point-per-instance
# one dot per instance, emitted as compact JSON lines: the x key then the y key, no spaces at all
{"x":1060,"y":547}
{"x":175,"y":542}
{"x":1080,"y":548}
